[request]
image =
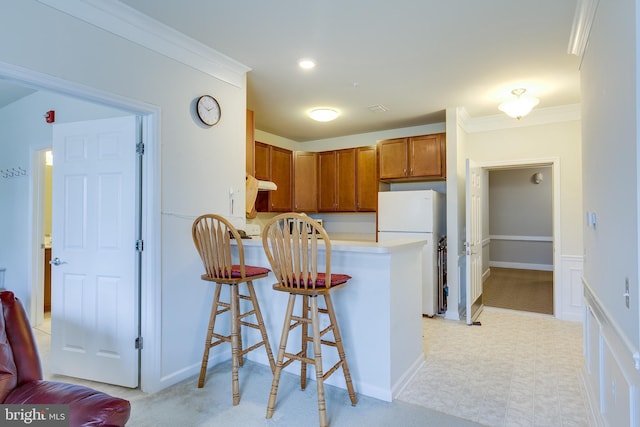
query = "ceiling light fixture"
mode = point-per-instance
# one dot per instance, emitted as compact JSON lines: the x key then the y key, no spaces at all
{"x":520,"y":106}
{"x":306,"y":64}
{"x":323,"y":114}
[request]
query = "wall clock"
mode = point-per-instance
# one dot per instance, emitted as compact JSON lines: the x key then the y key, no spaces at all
{"x":208,"y":110}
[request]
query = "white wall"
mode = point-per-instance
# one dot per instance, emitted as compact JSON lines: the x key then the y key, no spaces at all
{"x":554,"y":140}
{"x":198,"y":165}
{"x":456,"y":155}
{"x":369,"y":138}
{"x":520,"y":217}
{"x":609,"y":89}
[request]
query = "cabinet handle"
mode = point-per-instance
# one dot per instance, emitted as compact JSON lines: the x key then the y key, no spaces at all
{"x":404,"y":171}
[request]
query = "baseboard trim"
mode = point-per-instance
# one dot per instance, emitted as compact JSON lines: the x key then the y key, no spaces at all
{"x":521,"y":265}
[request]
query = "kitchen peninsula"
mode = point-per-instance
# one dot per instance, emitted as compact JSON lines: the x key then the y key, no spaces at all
{"x":379,"y":313}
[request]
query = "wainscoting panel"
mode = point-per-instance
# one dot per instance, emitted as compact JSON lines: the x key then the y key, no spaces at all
{"x":612,"y":371}
{"x":571,"y":291}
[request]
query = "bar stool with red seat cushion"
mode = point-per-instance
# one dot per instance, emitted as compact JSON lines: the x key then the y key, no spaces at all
{"x":212,"y":235}
{"x":291,"y":243}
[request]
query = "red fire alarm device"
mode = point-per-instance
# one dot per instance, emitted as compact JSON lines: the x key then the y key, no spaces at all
{"x":50,"y":116}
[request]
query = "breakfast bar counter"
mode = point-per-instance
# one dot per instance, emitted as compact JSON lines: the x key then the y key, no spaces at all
{"x":379,"y":313}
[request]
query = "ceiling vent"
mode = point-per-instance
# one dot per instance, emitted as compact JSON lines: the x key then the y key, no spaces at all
{"x":378,"y":108}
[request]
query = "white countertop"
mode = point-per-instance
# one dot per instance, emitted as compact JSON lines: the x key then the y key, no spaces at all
{"x":356,"y":245}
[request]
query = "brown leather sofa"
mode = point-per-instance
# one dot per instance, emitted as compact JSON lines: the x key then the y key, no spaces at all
{"x":21,"y":375}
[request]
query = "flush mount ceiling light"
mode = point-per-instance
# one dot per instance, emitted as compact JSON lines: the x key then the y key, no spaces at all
{"x":520,"y":106}
{"x":306,"y":64}
{"x":323,"y":114}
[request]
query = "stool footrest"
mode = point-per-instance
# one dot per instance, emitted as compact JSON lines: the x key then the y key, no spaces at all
{"x":247,"y":350}
{"x":299,"y":319}
{"x":224,"y":310}
{"x":250,"y":325}
{"x":332,"y":370}
{"x":247,"y":314}
{"x":299,"y":357}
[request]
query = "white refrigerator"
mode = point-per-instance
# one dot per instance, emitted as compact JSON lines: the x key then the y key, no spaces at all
{"x":415,"y":214}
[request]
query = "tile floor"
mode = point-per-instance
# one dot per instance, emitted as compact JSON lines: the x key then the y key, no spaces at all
{"x":516,"y":369}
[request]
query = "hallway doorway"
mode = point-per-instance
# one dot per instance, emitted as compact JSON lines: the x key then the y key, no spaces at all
{"x":512,"y":240}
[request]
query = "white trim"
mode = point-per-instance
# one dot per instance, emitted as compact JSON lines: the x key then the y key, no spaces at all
{"x":404,"y":379}
{"x":130,"y":24}
{"x":151,"y":275}
{"x":36,"y":233}
{"x":539,"y":116}
{"x":582,"y":20}
{"x":521,"y":265}
{"x":522,"y":238}
{"x":609,"y":324}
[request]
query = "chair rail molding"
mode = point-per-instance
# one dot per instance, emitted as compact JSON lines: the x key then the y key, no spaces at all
{"x":125,"y":21}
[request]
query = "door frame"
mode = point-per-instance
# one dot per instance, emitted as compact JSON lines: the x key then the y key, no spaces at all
{"x":37,"y":188}
{"x":554,"y":162}
{"x":150,"y":296}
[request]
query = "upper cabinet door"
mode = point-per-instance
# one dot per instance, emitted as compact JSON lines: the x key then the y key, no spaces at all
{"x":366,"y":179}
{"x":327,"y":181}
{"x":305,"y":181}
{"x":346,"y":180}
{"x":262,"y":159}
{"x":425,"y":156}
{"x":281,"y":175}
{"x":393,"y":158}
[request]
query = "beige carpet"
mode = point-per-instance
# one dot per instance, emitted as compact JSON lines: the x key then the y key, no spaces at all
{"x":523,"y":290}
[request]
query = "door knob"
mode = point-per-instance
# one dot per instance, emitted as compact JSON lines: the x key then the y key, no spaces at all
{"x":56,"y":261}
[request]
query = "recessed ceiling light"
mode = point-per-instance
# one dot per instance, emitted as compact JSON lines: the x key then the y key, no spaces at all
{"x":323,"y":114}
{"x":306,"y":64}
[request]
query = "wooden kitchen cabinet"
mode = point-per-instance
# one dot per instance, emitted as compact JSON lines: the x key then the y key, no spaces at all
{"x":337,"y":181}
{"x":305,"y":181}
{"x":274,"y":164}
{"x":425,"y":156}
{"x":327,"y":181}
{"x":366,"y":179}
{"x":346,"y":180}
{"x":262,"y":160}
{"x":281,"y":175}
{"x":413,"y":158}
{"x":393,"y":158}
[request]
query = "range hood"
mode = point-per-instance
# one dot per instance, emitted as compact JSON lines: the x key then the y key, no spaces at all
{"x":266,"y":186}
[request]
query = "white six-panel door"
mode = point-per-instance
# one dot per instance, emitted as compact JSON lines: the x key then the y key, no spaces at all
{"x":94,"y":316}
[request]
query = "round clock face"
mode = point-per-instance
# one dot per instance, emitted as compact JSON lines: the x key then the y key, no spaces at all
{"x":208,"y":110}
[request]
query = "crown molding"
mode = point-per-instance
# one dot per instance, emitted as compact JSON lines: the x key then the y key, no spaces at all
{"x":540,"y":116}
{"x":128,"y":23}
{"x":582,"y":21}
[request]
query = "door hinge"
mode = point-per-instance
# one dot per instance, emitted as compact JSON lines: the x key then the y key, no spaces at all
{"x":140,"y":148}
{"x":139,"y":245}
{"x":139,"y":343}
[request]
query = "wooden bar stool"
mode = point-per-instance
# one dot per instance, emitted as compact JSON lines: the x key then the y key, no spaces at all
{"x":291,"y":243}
{"x":212,"y":236}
